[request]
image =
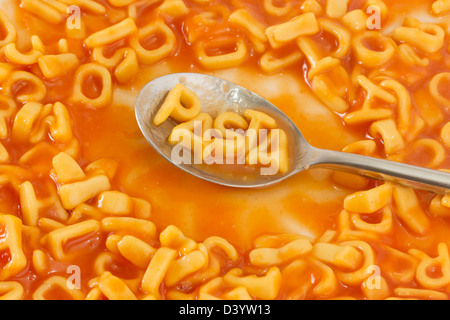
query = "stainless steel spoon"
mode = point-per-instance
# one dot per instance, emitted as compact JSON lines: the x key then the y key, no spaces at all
{"x":218,"y":95}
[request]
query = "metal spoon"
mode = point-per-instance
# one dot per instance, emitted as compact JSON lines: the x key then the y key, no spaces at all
{"x":218,"y":95}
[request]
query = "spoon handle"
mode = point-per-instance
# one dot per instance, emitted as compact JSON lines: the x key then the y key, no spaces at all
{"x":379,"y":169}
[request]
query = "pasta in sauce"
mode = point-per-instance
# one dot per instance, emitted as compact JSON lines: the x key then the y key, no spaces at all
{"x":250,"y":141}
{"x":89,"y":211}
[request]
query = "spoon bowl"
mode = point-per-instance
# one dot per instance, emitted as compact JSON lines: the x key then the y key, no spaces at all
{"x":219,"y":95}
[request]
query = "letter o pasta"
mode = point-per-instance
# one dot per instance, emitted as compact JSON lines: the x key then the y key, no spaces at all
{"x":435,"y":88}
{"x":102,"y":74}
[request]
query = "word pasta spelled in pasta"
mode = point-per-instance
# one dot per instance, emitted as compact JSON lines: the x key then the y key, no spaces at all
{"x":232,"y":139}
